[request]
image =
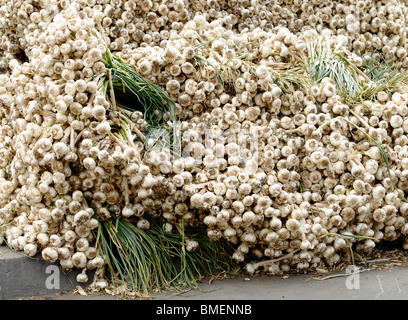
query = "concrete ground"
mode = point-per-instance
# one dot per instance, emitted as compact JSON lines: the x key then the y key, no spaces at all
{"x":21,"y":276}
{"x":390,"y":283}
{"x":382,"y":278}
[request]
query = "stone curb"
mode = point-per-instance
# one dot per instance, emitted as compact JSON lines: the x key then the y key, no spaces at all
{"x":22,"y":277}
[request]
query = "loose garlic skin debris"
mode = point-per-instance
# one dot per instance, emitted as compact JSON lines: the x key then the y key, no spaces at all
{"x":272,"y":172}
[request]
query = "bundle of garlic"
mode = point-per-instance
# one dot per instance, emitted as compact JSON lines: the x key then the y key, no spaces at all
{"x":290,"y":144}
{"x":61,"y":153}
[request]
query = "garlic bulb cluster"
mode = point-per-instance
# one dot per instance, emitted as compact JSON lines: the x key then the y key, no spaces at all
{"x":277,"y":168}
{"x":60,"y":166}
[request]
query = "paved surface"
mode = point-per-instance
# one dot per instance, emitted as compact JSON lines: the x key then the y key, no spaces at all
{"x":21,"y":276}
{"x":381,"y":279}
{"x":384,"y":284}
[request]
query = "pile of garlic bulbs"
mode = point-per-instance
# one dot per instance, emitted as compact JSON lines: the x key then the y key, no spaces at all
{"x":284,"y":170}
